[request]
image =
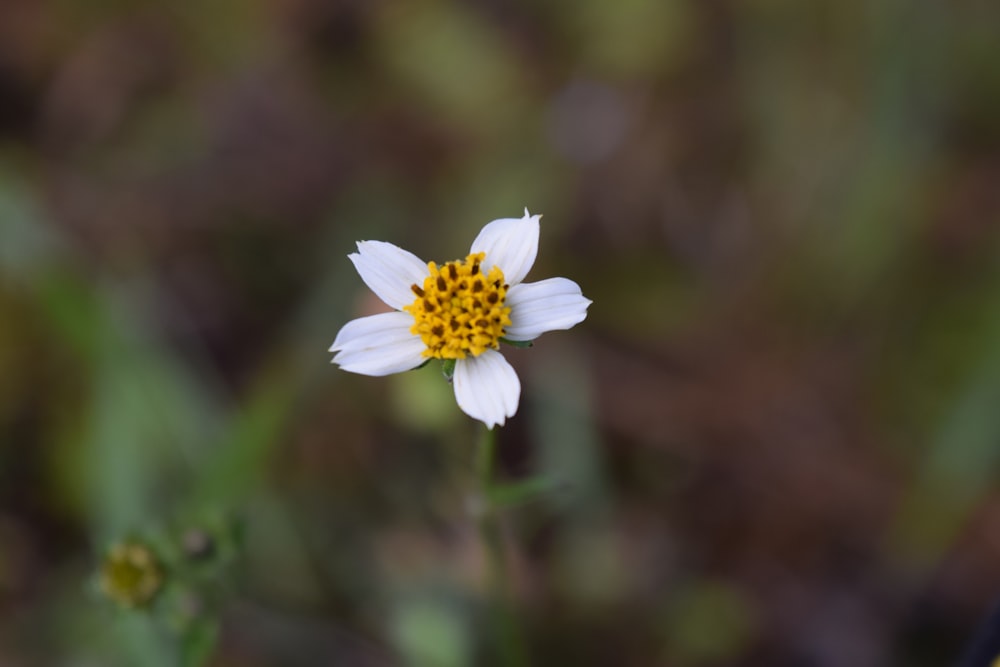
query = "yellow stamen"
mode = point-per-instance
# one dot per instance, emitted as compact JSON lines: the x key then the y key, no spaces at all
{"x":459,"y":311}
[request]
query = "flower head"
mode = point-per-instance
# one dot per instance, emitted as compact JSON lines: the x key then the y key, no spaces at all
{"x":130,"y":574}
{"x":459,"y":312}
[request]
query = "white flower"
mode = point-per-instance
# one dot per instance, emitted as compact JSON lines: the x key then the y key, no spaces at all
{"x":459,"y":311}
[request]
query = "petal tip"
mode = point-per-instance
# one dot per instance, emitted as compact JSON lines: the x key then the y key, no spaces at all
{"x":487,"y":388}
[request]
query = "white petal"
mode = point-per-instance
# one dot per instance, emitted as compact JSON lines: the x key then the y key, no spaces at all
{"x":487,"y":388}
{"x":373,"y":331}
{"x":389,"y":271}
{"x":511,"y":244}
{"x":548,"y":305}
{"x":378,"y":345}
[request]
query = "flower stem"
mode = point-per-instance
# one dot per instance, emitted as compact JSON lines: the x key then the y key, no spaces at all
{"x":506,"y":632}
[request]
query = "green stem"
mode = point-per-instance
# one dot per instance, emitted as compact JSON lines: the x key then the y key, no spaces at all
{"x":485,"y":453}
{"x":507,"y":634}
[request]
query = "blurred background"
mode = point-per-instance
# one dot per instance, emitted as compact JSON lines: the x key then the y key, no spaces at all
{"x":773,"y":442}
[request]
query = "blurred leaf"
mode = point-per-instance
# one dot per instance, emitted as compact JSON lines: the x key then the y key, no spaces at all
{"x":28,"y":245}
{"x":75,"y":311}
{"x":430,"y":632}
{"x":957,"y":470}
{"x":240,"y":462}
{"x":630,"y":38}
{"x":521,"y":492}
{"x":228,"y":34}
{"x":457,"y":64}
{"x":570,"y":455}
{"x":144,"y":641}
{"x":423,"y":400}
{"x":198,"y":642}
{"x":278,"y":561}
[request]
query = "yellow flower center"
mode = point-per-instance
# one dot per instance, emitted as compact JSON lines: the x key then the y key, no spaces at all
{"x":460,"y":311}
{"x":130,"y":574}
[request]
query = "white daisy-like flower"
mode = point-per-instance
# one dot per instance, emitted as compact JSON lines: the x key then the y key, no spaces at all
{"x":460,"y":311}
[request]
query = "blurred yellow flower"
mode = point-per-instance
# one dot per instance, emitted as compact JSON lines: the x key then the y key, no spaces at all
{"x":130,"y":574}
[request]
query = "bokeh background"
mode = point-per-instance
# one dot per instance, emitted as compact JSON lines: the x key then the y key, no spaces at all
{"x":774,"y":441}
